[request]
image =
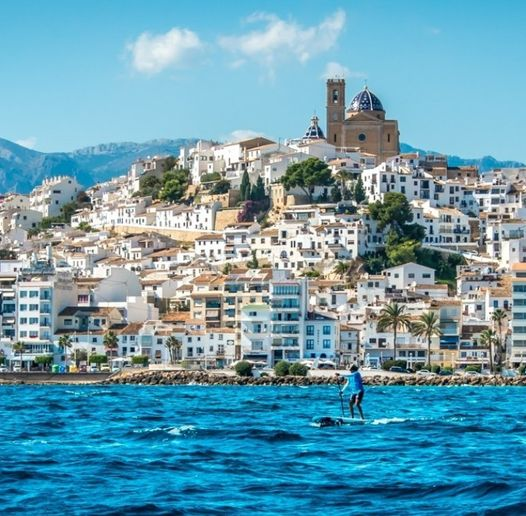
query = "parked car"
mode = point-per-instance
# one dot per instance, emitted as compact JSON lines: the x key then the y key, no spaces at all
{"x":326,"y":364}
{"x":104,"y":368}
{"x":83,"y":369}
{"x":397,"y":369}
{"x":17,"y":369}
{"x":425,"y":372}
{"x":3,"y":369}
{"x":471,"y":373}
{"x":445,"y":372}
{"x":93,"y":369}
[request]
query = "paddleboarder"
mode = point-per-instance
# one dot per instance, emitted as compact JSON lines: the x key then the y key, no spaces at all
{"x":354,"y":381}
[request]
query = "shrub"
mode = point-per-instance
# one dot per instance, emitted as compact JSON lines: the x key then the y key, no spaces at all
{"x":418,"y":366}
{"x":298,"y":369}
{"x":282,"y":368}
{"x":243,"y":368}
{"x":435,"y":369}
{"x":522,"y":369}
{"x":140,"y":360}
{"x":475,"y":368}
{"x":390,"y":363}
{"x":98,"y":359}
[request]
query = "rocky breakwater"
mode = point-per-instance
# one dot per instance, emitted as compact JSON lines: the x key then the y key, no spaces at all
{"x":205,"y":378}
{"x":435,"y":381}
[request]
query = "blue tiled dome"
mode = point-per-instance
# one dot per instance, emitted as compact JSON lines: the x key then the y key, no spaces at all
{"x":314,"y":131}
{"x":366,"y":101}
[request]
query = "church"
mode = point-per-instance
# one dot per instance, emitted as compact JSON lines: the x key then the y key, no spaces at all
{"x":363,"y":125}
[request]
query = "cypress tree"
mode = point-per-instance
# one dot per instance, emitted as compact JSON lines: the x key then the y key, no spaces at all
{"x":359,"y":191}
{"x":244,"y":189}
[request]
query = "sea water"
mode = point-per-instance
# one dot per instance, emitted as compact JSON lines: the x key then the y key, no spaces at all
{"x":231,"y":450}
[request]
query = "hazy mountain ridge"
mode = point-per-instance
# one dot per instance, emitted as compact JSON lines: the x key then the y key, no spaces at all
{"x":21,"y":169}
{"x":485,"y":163}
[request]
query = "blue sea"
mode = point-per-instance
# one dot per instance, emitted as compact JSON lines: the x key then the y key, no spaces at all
{"x":234,"y":450}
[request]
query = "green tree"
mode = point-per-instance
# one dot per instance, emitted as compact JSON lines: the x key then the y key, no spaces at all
{"x":210,"y":178}
{"x":395,"y":211}
{"x":84,"y":226}
{"x":111,"y":342}
{"x":19,"y":347}
{"x":253,"y":263}
{"x":258,"y":192}
{"x":170,"y":163}
{"x":227,"y":268}
{"x":393,"y":317}
{"x":359,"y":191}
{"x":221,"y":187}
{"x":244,"y":189}
{"x":297,"y":369}
{"x":341,"y":269}
{"x":150,"y":186}
{"x":307,"y":175}
{"x":282,"y":368}
{"x":488,"y":338}
{"x":98,"y":359}
{"x":173,"y":344}
{"x":44,"y":361}
{"x":141,"y":360}
{"x":336,"y":194}
{"x":68,"y":210}
{"x":402,"y":252}
{"x":243,"y":368}
{"x":498,"y":317}
{"x":427,"y":326}
{"x":65,"y":342}
{"x":175,"y":184}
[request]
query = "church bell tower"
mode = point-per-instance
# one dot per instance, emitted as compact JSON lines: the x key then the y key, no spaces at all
{"x":335,"y":111}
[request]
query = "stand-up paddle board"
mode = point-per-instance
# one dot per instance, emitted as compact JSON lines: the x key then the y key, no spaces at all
{"x":323,"y":421}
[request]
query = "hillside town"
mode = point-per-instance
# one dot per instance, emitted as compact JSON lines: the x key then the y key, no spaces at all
{"x":331,"y":249}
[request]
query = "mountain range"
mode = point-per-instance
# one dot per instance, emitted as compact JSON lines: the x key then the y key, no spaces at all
{"x":21,"y":169}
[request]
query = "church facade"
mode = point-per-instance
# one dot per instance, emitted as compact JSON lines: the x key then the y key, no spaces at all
{"x":363,"y":125}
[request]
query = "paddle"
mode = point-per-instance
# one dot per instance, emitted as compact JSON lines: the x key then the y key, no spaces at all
{"x":341,"y":396}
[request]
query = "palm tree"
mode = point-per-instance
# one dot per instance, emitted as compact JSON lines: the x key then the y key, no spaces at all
{"x":65,"y":342}
{"x":341,"y":269}
{"x":487,"y":339}
{"x":498,"y":317}
{"x":111,"y":342}
{"x":392,"y":317}
{"x":428,"y":326}
{"x":173,"y":344}
{"x":19,"y":347}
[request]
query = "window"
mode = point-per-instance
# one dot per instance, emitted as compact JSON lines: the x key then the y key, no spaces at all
{"x":220,"y":336}
{"x":159,"y":341}
{"x":33,"y":320}
{"x":33,"y":307}
{"x":310,"y":330}
{"x":310,"y":344}
{"x":68,"y":322}
{"x":33,"y":334}
{"x":23,"y":333}
{"x":326,"y":330}
{"x":23,"y":293}
{"x":252,"y":314}
{"x":199,"y":351}
{"x":326,"y":343}
{"x":411,"y":275}
{"x":426,"y":275}
{"x":190,"y":352}
{"x":33,"y":293}
{"x":23,"y":308}
{"x":23,"y":320}
{"x":362,"y":137}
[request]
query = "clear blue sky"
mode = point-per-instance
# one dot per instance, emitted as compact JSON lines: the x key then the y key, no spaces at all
{"x":77,"y":73}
